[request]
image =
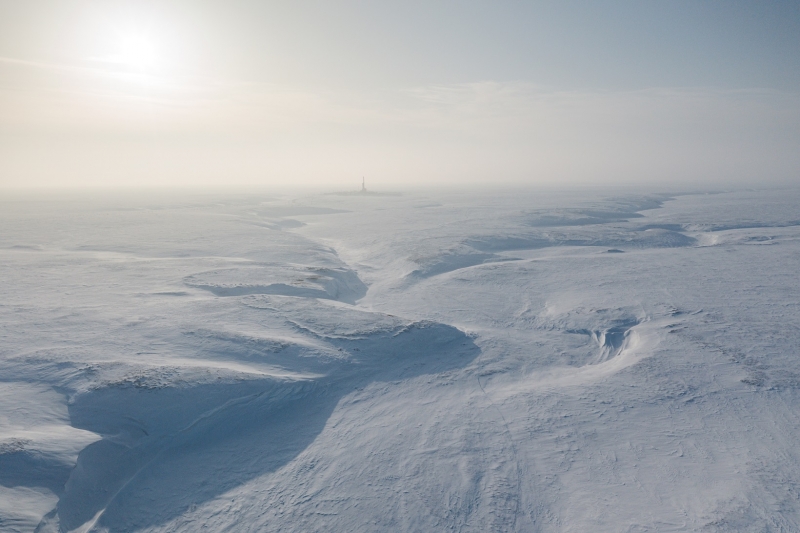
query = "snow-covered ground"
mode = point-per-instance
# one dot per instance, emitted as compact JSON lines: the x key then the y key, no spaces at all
{"x":484,"y":361}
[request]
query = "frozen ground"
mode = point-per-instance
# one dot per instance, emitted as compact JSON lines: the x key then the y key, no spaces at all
{"x":508,"y":361}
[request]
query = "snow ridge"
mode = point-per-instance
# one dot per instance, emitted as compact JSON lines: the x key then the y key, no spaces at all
{"x":359,"y":363}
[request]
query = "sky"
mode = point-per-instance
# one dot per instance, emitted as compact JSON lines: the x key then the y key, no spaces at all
{"x":407,"y":93}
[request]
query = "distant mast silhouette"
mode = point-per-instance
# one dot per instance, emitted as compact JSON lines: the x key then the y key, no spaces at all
{"x":363,"y":191}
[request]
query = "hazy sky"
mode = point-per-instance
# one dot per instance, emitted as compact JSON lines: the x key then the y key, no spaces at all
{"x":177,"y":93}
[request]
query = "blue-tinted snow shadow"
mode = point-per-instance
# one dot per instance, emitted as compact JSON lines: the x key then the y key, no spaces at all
{"x":167,"y":449}
{"x":612,"y":228}
{"x":24,"y":466}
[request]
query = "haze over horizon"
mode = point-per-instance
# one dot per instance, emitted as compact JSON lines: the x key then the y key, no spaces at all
{"x":562,"y":301}
{"x":277,"y":94}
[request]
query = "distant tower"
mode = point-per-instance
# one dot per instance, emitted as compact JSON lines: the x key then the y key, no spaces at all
{"x":363,"y":187}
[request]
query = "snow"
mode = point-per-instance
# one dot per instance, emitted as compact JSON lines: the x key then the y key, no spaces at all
{"x":442,"y":361}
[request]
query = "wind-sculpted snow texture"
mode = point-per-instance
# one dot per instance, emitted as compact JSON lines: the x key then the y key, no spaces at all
{"x":520,"y":361}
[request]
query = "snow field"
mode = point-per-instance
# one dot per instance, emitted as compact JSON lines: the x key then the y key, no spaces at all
{"x":449,"y":362}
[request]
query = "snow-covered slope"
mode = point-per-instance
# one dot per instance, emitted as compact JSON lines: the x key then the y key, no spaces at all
{"x":505,"y":361}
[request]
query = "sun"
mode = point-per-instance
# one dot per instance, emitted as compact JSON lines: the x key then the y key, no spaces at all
{"x":137,"y":51}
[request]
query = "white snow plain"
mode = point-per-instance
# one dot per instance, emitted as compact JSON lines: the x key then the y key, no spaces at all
{"x":493,"y":361}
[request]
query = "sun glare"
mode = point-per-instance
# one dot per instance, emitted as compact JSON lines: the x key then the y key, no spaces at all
{"x":137,"y":51}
